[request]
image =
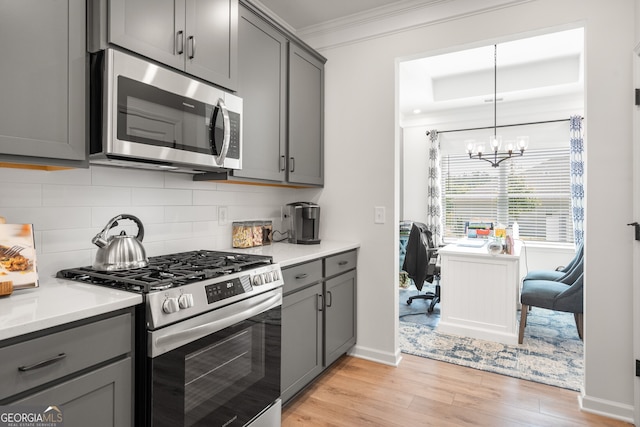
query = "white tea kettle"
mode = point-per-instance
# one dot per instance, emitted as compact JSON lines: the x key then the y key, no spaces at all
{"x":121,"y":252}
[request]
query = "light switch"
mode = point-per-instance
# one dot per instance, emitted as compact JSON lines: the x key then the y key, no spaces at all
{"x":379,"y":215}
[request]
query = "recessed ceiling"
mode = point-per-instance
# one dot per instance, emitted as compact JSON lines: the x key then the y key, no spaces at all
{"x":544,"y":66}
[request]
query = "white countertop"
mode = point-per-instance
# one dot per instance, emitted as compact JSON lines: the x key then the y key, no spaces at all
{"x":287,"y":254}
{"x":56,"y":302}
{"x":59,"y":301}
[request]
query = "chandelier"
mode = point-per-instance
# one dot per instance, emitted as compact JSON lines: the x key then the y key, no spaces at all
{"x":512,"y":148}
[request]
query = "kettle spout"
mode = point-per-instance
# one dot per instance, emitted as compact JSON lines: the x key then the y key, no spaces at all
{"x":99,"y":240}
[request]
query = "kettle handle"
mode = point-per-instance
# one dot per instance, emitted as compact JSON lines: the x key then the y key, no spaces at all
{"x":100,"y":239}
{"x":135,"y":219}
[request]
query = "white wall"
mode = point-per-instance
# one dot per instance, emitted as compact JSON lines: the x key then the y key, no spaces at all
{"x":69,"y":207}
{"x":362,"y":161}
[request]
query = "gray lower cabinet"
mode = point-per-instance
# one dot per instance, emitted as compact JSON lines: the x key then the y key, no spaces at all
{"x":199,"y":37}
{"x":86,"y":370}
{"x":100,"y":398}
{"x":301,"y":339}
{"x":318,"y":318}
{"x":43,"y":85}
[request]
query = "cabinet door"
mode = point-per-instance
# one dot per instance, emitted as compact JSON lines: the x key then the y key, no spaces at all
{"x":153,"y":28}
{"x":262,"y":79}
{"x":301,"y":339}
{"x":306,"y":118}
{"x":100,"y":398}
{"x":340,"y":315}
{"x":43,"y":69}
{"x":211,"y":43}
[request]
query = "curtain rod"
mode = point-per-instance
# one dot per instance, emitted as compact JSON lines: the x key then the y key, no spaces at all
{"x":504,"y":126}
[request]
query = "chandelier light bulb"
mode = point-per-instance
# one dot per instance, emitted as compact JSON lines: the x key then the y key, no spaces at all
{"x":470,"y":145}
{"x":523,"y":142}
{"x":510,"y":146}
{"x":495,"y":142}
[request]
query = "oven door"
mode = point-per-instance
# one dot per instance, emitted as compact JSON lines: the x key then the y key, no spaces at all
{"x":218,"y":369}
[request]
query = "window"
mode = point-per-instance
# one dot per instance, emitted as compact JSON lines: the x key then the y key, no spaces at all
{"x":533,"y":190}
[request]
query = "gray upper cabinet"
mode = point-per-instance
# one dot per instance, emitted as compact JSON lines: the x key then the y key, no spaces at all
{"x":199,"y":37}
{"x":306,"y":118}
{"x":43,"y":85}
{"x":262,"y":80}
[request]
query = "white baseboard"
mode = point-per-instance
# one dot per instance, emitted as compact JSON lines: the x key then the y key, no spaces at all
{"x":606,"y":408}
{"x":385,"y":358}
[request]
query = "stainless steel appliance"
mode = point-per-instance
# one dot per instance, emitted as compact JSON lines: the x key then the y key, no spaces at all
{"x":146,"y":116}
{"x":120,"y":252}
{"x":208,"y":337}
{"x":303,"y":222}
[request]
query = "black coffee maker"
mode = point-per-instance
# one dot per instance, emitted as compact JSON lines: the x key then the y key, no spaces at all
{"x":303,"y":222}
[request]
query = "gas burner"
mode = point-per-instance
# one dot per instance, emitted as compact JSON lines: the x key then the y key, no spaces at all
{"x":169,"y":271}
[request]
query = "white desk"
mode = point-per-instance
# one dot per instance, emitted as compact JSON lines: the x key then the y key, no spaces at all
{"x":479,"y":293}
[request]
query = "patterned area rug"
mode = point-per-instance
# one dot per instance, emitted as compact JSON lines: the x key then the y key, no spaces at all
{"x":552,"y":352}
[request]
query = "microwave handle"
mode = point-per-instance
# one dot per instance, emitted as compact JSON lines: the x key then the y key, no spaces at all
{"x":227,"y":132}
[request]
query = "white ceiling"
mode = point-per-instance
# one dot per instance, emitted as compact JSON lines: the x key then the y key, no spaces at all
{"x":536,"y":71}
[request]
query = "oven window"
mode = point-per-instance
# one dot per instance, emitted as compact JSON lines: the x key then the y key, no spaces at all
{"x":228,"y":377}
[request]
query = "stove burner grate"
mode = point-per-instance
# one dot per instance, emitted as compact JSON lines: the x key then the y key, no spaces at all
{"x":169,"y":271}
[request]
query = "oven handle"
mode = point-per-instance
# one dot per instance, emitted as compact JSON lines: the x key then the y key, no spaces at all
{"x":173,"y":340}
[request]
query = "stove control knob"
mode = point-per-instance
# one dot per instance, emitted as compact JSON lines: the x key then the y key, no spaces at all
{"x":275,"y":275}
{"x":267,"y":277}
{"x":170,"y":305}
{"x":185,"y":300}
{"x":257,"y":280}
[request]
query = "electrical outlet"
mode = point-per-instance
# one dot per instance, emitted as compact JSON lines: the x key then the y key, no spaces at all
{"x":223,"y":215}
{"x":379,"y":215}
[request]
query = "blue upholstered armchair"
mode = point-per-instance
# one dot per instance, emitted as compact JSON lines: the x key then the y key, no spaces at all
{"x":564,"y":294}
{"x":559,"y":272}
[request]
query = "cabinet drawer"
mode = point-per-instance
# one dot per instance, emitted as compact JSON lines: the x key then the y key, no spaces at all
{"x":302,"y":275}
{"x":38,"y":361}
{"x":337,"y":264}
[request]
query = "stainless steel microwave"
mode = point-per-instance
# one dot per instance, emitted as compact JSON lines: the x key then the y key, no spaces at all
{"x":143,"y":115}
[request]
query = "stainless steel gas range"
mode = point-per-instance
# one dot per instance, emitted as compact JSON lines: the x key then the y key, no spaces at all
{"x":208,"y":337}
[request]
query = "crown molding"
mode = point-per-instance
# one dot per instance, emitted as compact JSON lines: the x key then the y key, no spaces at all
{"x":394,"y":18}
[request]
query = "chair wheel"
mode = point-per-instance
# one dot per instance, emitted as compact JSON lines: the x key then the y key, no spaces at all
{"x":430,"y":310}
{"x":408,"y":302}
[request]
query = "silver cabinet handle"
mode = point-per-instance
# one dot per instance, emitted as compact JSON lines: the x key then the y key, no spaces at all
{"x":180,"y":42}
{"x":329,"y":299}
{"x":43,"y":363}
{"x":301,"y":276}
{"x":293,"y":164}
{"x":283,"y":163}
{"x":343,"y":263}
{"x":320,"y":303}
{"x":192,"y":43}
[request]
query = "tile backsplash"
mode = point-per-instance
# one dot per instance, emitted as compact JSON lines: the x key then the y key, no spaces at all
{"x":67,"y":208}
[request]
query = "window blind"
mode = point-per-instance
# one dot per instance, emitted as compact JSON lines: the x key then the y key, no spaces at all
{"x":533,"y":190}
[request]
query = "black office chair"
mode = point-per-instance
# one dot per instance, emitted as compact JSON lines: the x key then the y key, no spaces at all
{"x":420,"y":263}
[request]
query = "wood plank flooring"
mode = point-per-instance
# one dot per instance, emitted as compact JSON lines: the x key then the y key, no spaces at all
{"x":425,"y":392}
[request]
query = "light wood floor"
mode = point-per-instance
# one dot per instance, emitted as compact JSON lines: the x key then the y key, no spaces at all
{"x":424,"y":392}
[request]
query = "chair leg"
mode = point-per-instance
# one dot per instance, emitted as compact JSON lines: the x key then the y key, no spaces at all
{"x":523,"y":322}
{"x":579,"y":323}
